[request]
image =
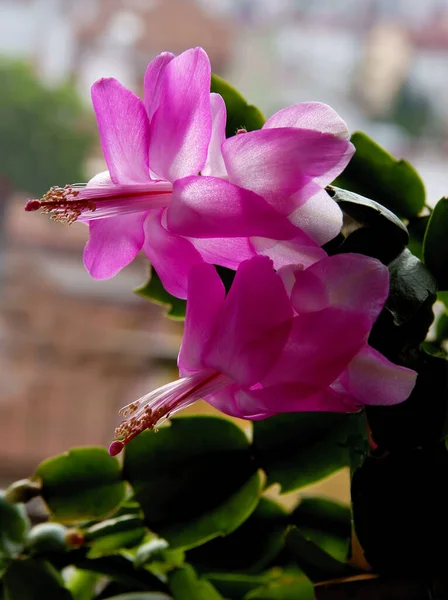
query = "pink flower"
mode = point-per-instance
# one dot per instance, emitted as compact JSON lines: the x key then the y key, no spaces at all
{"x":294,"y":341}
{"x":265,"y":184}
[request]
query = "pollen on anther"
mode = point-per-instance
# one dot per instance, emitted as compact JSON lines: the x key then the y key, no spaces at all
{"x":33,"y":205}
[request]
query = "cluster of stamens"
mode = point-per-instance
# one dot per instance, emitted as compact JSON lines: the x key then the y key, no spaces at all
{"x":61,"y":204}
{"x":136,"y":423}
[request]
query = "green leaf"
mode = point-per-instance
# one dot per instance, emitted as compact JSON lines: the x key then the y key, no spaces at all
{"x":82,"y":584}
{"x":443,"y":297}
{"x":150,"y":551}
{"x":195,"y":480}
{"x":250,"y":547}
{"x":442,"y":327}
{"x":111,"y":535}
{"x":140,"y":596}
{"x":287,"y":586}
{"x":326,"y":523}
{"x":237,"y":585}
{"x":240,"y":114}
{"x":315,"y":562}
{"x":435,"y":244}
{"x":14,"y":525}
{"x":153,"y":290}
{"x":81,"y":484}
{"x":298,"y":449}
{"x":185,"y":585}
{"x":407,"y":315}
{"x":121,"y":569}
{"x":375,"y":173}
{"x":34,"y":579}
{"x":371,"y":229}
{"x":417,"y":229}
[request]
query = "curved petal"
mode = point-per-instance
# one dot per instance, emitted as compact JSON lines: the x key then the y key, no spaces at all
{"x":124,"y":131}
{"x":214,"y":164}
{"x":226,"y":252}
{"x":181,"y":126}
{"x":153,"y":82}
{"x":319,"y":217}
{"x":278,"y":163}
{"x":319,"y":348}
{"x":206,"y":295}
{"x":232,"y":401}
{"x":171,"y":255}
{"x":310,"y":115}
{"x":371,"y":378}
{"x":100,"y":179}
{"x":292,"y":397}
{"x":205,"y":207}
{"x":351,"y":281}
{"x":113,"y":244}
{"x":254,"y":324}
{"x":298,"y":251}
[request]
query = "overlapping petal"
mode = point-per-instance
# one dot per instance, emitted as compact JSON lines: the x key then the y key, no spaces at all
{"x":215,"y":163}
{"x":171,"y":255}
{"x":113,"y":244}
{"x":181,"y":125}
{"x":371,"y":378}
{"x":206,"y":295}
{"x":254,"y":324}
{"x":124,"y":131}
{"x":153,"y":82}
{"x":310,"y":115}
{"x":319,"y":217}
{"x":279,"y":163}
{"x":211,"y":207}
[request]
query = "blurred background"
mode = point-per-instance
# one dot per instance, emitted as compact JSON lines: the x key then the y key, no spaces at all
{"x":73,"y":350}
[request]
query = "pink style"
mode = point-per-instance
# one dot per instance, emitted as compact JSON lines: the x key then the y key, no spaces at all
{"x":177,"y":189}
{"x":278,"y":342}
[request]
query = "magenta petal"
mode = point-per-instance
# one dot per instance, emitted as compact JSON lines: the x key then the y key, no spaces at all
{"x":181,"y":126}
{"x":171,"y":255}
{"x":226,"y":252}
{"x":319,"y":217}
{"x":297,"y":251}
{"x":215,"y":163}
{"x":233,"y":401}
{"x":371,"y":378}
{"x":153,"y":82}
{"x":206,"y":295}
{"x":278,"y":163}
{"x":254,"y":324}
{"x":310,"y":115}
{"x":205,"y":207}
{"x":113,"y":244}
{"x":309,"y":292}
{"x":292,"y":397}
{"x":124,"y":131}
{"x":352,"y":281}
{"x":320,"y":346}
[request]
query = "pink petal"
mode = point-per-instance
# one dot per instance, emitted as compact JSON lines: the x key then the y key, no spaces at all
{"x":113,"y":244}
{"x":206,"y":295}
{"x":171,"y":255}
{"x":278,"y":163}
{"x":211,"y":207}
{"x":215,"y":163}
{"x":254,"y":324}
{"x":181,"y":126}
{"x":232,"y":401}
{"x":371,"y":378}
{"x":319,"y":217}
{"x":351,"y":281}
{"x":309,"y":292}
{"x":124,"y":131}
{"x":298,"y":251}
{"x":291,"y":397}
{"x":226,"y":252}
{"x":310,"y":115}
{"x":320,"y":346}
{"x":153,"y":82}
